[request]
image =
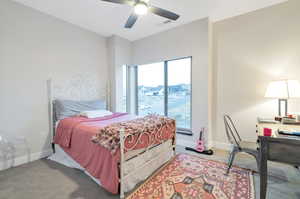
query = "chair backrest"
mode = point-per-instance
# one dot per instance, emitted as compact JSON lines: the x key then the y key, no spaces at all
{"x":232,"y":134}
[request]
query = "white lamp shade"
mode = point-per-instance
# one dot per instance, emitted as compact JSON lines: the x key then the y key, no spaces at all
{"x":294,"y":88}
{"x":283,"y":89}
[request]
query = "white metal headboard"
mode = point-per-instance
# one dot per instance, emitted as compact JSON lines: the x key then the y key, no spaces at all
{"x":86,"y":86}
{"x":79,"y":87}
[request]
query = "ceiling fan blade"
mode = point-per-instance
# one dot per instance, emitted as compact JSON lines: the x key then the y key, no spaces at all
{"x":164,"y":13}
{"x":128,"y":2}
{"x":131,"y":21}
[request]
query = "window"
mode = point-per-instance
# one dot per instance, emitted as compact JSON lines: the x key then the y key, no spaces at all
{"x":165,"y":88}
{"x":124,"y":89}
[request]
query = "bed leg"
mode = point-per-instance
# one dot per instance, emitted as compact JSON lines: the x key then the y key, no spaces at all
{"x":174,"y":144}
{"x":122,"y":196}
{"x":174,"y":150}
{"x":122,"y":146}
{"x":53,"y":147}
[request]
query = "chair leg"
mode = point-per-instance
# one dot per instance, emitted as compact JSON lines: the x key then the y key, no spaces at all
{"x":257,"y":158}
{"x":231,"y":159}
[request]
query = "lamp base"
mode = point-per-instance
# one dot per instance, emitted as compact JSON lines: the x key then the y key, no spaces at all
{"x":282,"y":103}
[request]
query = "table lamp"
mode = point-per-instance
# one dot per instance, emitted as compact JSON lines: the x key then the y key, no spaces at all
{"x":283,"y":90}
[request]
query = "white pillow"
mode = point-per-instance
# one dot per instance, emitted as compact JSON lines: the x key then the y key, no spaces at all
{"x":95,"y":113}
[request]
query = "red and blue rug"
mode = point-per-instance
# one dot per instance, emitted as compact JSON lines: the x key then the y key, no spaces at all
{"x":191,"y":177}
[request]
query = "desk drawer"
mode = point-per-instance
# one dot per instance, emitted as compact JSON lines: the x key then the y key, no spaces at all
{"x":284,"y":152}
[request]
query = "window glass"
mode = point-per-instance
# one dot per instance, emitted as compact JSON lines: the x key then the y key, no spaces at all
{"x":151,"y":89}
{"x":179,"y":92}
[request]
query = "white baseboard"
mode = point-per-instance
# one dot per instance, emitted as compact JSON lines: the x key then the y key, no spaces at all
{"x":185,"y":143}
{"x":222,"y":145}
{"x":38,"y":155}
{"x":24,"y":159}
{"x":209,"y":145}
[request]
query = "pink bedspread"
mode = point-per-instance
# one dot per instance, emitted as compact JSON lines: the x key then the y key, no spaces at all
{"x":74,"y":136}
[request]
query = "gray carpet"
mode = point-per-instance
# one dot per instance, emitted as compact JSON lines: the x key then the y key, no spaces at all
{"x":44,"y":179}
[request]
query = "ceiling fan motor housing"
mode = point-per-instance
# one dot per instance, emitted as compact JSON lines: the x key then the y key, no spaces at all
{"x":141,"y":8}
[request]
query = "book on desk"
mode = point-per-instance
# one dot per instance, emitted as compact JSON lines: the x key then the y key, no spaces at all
{"x":289,"y":133}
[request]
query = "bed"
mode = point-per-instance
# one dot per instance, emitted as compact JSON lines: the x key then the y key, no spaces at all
{"x":117,"y":170}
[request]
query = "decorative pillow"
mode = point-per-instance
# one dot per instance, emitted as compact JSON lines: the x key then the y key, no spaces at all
{"x":69,"y":108}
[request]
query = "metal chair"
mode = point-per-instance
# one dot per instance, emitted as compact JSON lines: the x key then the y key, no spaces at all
{"x":238,"y":145}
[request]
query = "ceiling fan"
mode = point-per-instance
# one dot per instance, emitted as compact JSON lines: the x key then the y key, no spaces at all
{"x":142,"y":7}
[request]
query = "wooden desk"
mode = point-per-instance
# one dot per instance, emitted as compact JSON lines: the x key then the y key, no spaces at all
{"x":276,"y":148}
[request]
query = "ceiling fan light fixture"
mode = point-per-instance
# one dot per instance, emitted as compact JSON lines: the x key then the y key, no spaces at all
{"x":141,"y":8}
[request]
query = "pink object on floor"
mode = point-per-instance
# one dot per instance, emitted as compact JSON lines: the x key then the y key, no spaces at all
{"x":200,"y":143}
{"x":267,"y":132}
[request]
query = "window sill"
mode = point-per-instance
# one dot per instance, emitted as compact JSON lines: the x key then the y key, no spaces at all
{"x":185,"y":132}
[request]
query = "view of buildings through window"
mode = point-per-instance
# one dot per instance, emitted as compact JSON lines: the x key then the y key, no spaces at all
{"x":165,"y":88}
{"x":179,"y":91}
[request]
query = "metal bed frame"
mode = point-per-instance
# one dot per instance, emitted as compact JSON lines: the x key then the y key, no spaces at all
{"x":123,"y":160}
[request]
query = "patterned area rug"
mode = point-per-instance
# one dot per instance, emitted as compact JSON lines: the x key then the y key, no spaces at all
{"x":191,"y":177}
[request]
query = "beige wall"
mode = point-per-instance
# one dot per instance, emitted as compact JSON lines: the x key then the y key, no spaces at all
{"x":33,"y":48}
{"x":250,"y":51}
{"x":187,"y":40}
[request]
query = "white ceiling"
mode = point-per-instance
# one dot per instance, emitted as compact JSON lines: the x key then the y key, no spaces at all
{"x":108,"y":19}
